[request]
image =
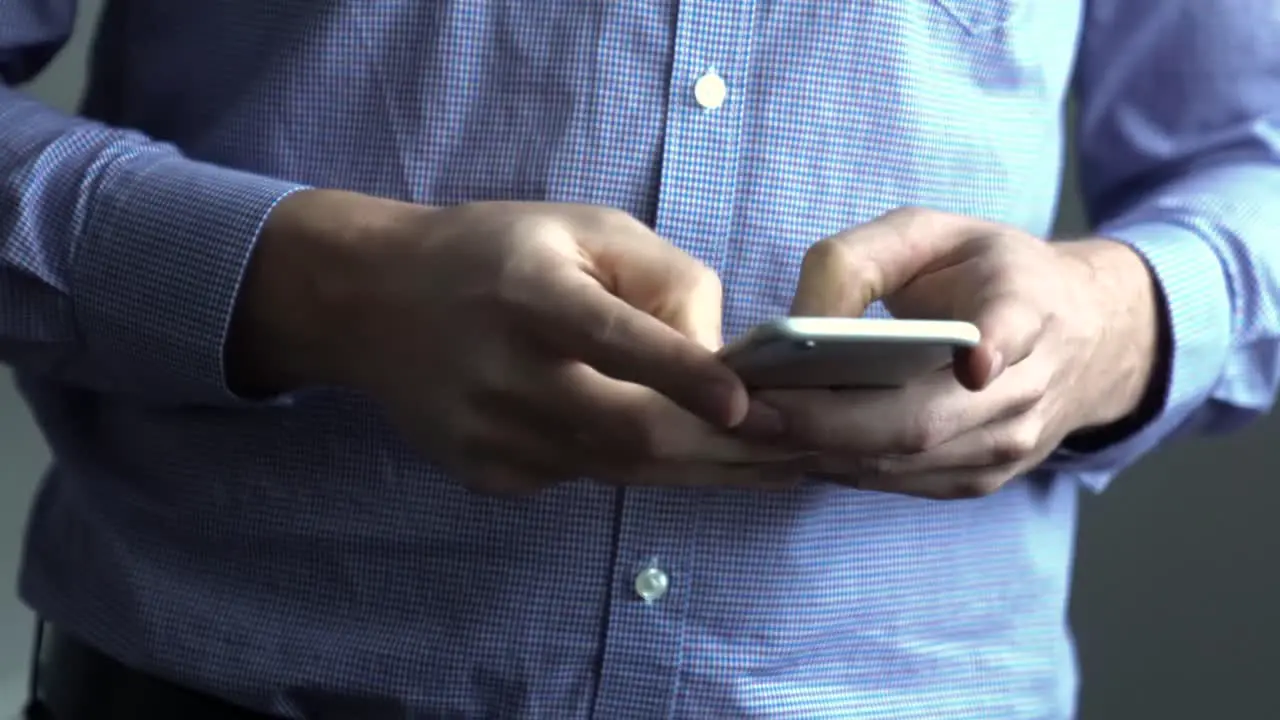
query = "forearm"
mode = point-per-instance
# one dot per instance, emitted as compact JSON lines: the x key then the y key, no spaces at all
{"x":1129,"y":360}
{"x":307,"y":290}
{"x":1211,"y":239}
{"x":1206,"y":240}
{"x":1179,"y":160}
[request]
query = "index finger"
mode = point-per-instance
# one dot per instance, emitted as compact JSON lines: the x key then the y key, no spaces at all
{"x":842,"y":275}
{"x":586,"y":322}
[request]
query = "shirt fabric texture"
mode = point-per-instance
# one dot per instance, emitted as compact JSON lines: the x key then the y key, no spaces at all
{"x":295,"y":557}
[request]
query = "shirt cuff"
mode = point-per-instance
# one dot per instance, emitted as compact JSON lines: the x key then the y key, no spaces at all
{"x":158,"y":270}
{"x":1198,"y":312}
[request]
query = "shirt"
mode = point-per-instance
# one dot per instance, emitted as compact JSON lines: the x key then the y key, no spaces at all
{"x":295,"y":557}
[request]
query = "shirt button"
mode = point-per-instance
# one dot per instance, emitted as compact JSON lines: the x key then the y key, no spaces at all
{"x":651,"y":584}
{"x":710,"y":90}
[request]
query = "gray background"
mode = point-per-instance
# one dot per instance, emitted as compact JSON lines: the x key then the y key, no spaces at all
{"x":1175,"y":598}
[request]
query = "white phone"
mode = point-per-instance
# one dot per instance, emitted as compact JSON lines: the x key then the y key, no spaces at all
{"x":822,"y":352}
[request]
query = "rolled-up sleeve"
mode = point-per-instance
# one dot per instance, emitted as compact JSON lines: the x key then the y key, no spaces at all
{"x":120,"y":259}
{"x":1179,"y":142}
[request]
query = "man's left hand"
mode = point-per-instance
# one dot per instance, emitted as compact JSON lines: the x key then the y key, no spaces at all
{"x":1068,"y":343}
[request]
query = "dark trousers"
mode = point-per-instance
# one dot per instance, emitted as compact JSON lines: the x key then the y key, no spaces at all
{"x":72,"y":681}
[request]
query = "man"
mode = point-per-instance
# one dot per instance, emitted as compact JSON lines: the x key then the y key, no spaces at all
{"x":325,"y":306}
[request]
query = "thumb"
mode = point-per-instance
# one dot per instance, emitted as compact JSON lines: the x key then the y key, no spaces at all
{"x":696,"y":309}
{"x":676,"y":289}
{"x":654,"y":276}
{"x":925,"y":264}
{"x":844,"y":274}
{"x":981,"y":291}
{"x":1009,"y":330}
{"x":655,"y":286}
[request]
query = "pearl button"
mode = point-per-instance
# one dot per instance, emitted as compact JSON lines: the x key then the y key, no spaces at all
{"x":651,"y":584}
{"x":710,"y":90}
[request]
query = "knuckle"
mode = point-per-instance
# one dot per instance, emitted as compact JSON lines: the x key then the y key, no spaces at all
{"x":828,"y":253}
{"x":911,"y":221}
{"x":644,"y":439}
{"x":1009,"y":269}
{"x":705,"y":281}
{"x":928,"y":429}
{"x":909,"y":214}
{"x":619,"y":222}
{"x":602,"y":330}
{"x":697,"y":281}
{"x":618,"y":217}
{"x":1038,"y":384}
{"x":1002,"y":286}
{"x":836,"y":267}
{"x":539,"y":227}
{"x":1015,"y":443}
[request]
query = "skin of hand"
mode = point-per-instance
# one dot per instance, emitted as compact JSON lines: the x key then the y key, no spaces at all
{"x":517,"y":344}
{"x":1069,"y":340}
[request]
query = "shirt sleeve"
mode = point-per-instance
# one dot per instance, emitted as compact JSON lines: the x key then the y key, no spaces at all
{"x":1179,"y":141}
{"x":120,"y":259}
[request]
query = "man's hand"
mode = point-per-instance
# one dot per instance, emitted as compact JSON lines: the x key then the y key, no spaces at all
{"x":518,"y":344}
{"x":1068,"y":342}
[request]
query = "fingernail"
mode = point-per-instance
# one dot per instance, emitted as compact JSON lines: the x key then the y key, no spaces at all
{"x":761,"y":422}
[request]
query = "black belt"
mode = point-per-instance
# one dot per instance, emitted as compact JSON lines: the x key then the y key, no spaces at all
{"x":76,"y":682}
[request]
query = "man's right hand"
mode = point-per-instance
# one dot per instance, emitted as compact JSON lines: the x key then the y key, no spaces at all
{"x":518,"y":344}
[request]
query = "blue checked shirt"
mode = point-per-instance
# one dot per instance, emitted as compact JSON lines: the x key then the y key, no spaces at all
{"x":296,"y":558}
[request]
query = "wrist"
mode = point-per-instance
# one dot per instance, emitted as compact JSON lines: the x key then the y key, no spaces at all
{"x":1124,"y":309}
{"x":300,"y":307}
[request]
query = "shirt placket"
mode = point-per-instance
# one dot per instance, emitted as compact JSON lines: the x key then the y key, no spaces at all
{"x":653,"y":583}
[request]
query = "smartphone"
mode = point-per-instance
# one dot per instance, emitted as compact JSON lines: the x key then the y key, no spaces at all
{"x":822,"y":352}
